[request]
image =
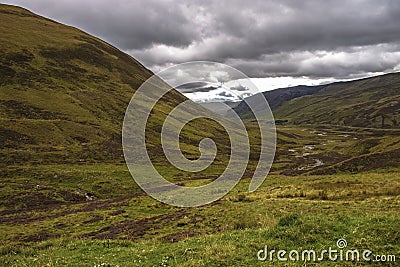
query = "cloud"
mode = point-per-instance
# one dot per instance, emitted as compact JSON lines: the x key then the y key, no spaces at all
{"x":263,"y":38}
{"x":125,"y":23}
{"x":196,"y":87}
{"x":239,"y":88}
{"x":192,"y":85}
{"x":225,"y":94}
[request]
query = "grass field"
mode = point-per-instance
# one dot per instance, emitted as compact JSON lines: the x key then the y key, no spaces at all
{"x":302,"y":212}
{"x":46,"y":220}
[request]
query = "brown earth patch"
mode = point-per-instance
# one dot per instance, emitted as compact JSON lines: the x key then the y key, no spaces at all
{"x":23,"y":216}
{"x":135,"y":228}
{"x":41,"y":236}
{"x":94,"y":219}
{"x":117,"y":212}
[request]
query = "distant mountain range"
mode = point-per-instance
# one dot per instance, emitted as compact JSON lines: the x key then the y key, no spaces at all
{"x":370,"y":102}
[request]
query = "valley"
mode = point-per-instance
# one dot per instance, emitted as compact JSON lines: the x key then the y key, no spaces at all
{"x":48,"y":220}
{"x":67,"y":197}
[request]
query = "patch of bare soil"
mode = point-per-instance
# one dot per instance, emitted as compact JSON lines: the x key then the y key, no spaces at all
{"x":94,"y":219}
{"x":40,"y":236}
{"x":24,"y":216}
{"x":135,"y":228}
{"x":117,"y":212}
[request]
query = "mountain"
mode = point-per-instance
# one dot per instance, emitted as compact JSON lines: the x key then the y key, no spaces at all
{"x":275,"y":98}
{"x":64,"y":94}
{"x":370,"y":102}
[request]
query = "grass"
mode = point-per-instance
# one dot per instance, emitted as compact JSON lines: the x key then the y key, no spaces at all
{"x":362,"y":208}
{"x":46,"y":220}
{"x":238,"y":248}
{"x":371,"y":102}
{"x":90,"y":83}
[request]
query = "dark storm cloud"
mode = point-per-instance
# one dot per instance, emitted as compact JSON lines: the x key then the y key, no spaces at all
{"x":196,"y":87}
{"x":225,"y":94}
{"x":192,"y":85}
{"x":125,"y":23}
{"x":261,"y":38}
{"x":239,"y":88}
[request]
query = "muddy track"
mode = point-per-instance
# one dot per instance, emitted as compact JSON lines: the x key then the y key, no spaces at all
{"x":24,"y":216}
{"x":132,"y":229}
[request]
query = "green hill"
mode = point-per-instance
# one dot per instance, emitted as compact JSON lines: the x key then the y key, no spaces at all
{"x":275,"y":98}
{"x":364,"y":114}
{"x":64,"y":94}
{"x":371,"y":102}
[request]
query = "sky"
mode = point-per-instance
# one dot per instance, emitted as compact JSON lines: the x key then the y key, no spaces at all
{"x":277,"y":43}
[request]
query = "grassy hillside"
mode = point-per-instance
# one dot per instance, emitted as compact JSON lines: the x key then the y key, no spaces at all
{"x":275,"y":98}
{"x":64,"y":94}
{"x":371,"y":102}
{"x":352,"y":126}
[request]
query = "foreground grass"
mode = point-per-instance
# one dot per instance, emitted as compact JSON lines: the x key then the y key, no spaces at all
{"x":303,"y":212}
{"x":236,"y":248}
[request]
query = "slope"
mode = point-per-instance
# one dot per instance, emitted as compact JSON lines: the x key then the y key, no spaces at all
{"x":275,"y":98}
{"x":64,"y":93}
{"x":371,"y":102}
